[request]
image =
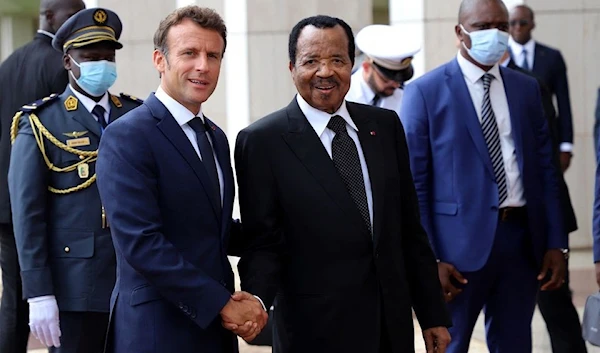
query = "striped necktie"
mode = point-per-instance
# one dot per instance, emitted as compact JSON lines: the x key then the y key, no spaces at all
{"x":492,"y":139}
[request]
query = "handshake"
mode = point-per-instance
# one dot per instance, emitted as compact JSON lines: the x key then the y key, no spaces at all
{"x":244,"y":315}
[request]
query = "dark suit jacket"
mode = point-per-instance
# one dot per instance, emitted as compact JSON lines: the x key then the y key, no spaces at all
{"x":549,"y":66}
{"x":170,"y":236}
{"x":63,"y":249}
{"x":570,"y":221}
{"x":32,"y":72}
{"x":597,"y":123}
{"x":306,"y":236}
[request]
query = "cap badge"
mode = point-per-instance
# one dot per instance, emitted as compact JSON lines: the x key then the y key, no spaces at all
{"x":100,"y":17}
{"x":406,"y":61}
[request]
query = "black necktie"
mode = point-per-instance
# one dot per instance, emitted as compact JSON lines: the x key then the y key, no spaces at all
{"x":98,"y":112}
{"x":345,"y":159}
{"x":208,"y":159}
{"x":375,"y":100}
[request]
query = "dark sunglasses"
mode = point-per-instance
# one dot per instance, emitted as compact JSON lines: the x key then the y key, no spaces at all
{"x":521,"y":23}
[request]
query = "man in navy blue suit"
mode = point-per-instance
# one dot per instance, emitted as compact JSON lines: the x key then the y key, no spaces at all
{"x":481,"y":159}
{"x":549,"y":66}
{"x":165,"y":178}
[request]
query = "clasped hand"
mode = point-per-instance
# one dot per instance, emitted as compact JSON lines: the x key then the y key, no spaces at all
{"x":244,"y":315}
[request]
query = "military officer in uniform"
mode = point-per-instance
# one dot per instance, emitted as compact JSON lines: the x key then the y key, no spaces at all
{"x":63,"y":240}
{"x":380,"y":79}
{"x":32,"y":71}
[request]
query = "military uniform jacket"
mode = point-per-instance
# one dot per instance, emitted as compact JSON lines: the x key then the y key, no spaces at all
{"x":63,"y":241}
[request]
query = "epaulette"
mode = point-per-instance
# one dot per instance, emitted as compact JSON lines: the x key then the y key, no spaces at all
{"x":28,"y":108}
{"x":131,"y":98}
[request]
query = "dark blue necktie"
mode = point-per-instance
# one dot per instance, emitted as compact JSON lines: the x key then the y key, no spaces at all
{"x":98,"y":112}
{"x":208,"y":159}
{"x":525,"y":65}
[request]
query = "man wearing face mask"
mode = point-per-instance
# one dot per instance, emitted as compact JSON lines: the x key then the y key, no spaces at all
{"x":481,"y":158}
{"x":380,"y":80}
{"x":63,"y":240}
{"x":34,"y":70}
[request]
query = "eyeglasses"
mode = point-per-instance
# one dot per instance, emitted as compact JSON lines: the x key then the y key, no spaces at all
{"x":521,"y":23}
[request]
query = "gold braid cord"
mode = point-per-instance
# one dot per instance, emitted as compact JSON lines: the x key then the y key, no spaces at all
{"x":39,"y":132}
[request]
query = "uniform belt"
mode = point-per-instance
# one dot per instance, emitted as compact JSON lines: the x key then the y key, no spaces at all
{"x":512,"y":214}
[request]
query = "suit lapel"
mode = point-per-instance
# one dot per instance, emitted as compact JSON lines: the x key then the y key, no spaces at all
{"x":307,"y":146}
{"x":373,"y":153}
{"x":173,"y":132}
{"x":115,"y":106}
{"x":81,"y":115}
{"x":467,"y":113}
{"x":516,"y":119}
{"x":538,"y":59}
{"x":222,"y":151}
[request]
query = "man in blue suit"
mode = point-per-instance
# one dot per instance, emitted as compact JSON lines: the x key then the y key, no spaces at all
{"x":549,"y":66}
{"x":596,"y":220}
{"x":165,"y":177}
{"x":482,"y":163}
{"x":597,"y":124}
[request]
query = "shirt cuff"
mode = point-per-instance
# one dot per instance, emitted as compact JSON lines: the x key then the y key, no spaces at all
{"x":42,"y":298}
{"x":566,"y":147}
{"x":261,"y":303}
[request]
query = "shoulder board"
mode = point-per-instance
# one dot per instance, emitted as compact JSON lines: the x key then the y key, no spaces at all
{"x":131,"y":98}
{"x":27,"y":108}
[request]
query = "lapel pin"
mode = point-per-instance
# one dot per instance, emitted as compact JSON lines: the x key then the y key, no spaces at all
{"x":373,"y":133}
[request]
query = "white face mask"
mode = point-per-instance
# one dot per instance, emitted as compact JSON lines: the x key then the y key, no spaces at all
{"x":487,"y":45}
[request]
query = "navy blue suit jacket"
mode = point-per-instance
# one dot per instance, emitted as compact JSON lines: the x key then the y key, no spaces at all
{"x":549,"y":66}
{"x":597,"y":124}
{"x":453,"y":173}
{"x":170,"y":236}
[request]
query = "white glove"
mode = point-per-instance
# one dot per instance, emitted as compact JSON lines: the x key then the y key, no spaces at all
{"x":43,"y":320}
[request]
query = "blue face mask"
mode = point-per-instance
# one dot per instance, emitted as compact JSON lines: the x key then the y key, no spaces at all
{"x":487,"y":45}
{"x":95,"y":77}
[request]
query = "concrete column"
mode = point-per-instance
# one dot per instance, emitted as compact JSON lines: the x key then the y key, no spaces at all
{"x":6,"y":37}
{"x":15,"y":31}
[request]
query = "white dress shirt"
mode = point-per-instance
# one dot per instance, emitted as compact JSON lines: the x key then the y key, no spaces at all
{"x":361,"y":92}
{"x":89,"y":103}
{"x":518,"y":54}
{"x":319,"y":119}
{"x":51,"y":35}
{"x":183,"y":116}
{"x":473,"y":77}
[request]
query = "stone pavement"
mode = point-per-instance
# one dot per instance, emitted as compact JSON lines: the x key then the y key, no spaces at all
{"x":582,"y":284}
